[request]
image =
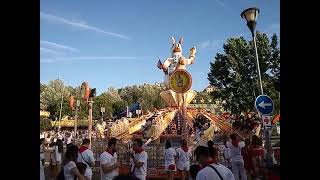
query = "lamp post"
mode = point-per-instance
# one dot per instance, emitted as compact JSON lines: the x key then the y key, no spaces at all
{"x":251,"y":15}
{"x":76,"y":118}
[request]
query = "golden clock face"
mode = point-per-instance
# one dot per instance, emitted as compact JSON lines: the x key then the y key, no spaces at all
{"x":180,"y":81}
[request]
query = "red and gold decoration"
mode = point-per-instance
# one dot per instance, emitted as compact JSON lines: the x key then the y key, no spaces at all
{"x":85,"y":91}
{"x":71,"y":102}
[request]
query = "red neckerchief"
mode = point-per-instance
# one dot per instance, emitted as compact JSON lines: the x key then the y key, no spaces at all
{"x":207,"y":163}
{"x":235,"y":143}
{"x":83,"y":148}
{"x":138,"y":150}
{"x":185,"y":148}
{"x":110,"y":151}
{"x":256,"y":151}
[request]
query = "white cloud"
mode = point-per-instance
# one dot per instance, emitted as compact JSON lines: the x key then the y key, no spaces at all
{"x":53,"y":45}
{"x":275,"y":26}
{"x":210,"y":44}
{"x":79,"y":58}
{"x":204,"y":44}
{"x":272,"y":28}
{"x":46,"y":50}
{"x":79,"y":24}
{"x":96,"y":57}
{"x":220,"y":3}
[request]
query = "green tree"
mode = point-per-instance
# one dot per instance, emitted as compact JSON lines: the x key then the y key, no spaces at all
{"x":105,"y":100}
{"x":202,"y":98}
{"x":42,"y":87}
{"x":119,"y":106}
{"x":113,"y":100}
{"x":51,"y":98}
{"x":234,"y":75}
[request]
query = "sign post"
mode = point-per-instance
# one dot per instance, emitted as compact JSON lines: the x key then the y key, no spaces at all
{"x":90,"y":121}
{"x":85,"y":94}
{"x":76,"y":118}
{"x":264,"y":106}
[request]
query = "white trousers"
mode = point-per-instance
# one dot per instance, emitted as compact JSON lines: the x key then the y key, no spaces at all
{"x":238,"y":167}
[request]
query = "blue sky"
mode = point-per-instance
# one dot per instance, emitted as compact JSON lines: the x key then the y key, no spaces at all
{"x":116,"y":43}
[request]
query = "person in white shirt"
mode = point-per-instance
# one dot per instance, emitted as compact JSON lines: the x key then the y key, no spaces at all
{"x":70,"y":169}
{"x":211,"y":170}
{"x":108,"y":161}
{"x":42,"y":177}
{"x":138,"y":159}
{"x":42,"y":148}
{"x":236,"y":158}
{"x":86,"y":156}
{"x":226,"y":155}
{"x":55,"y":158}
{"x":198,"y":134}
{"x":183,"y":162}
{"x":60,"y":136}
{"x":59,"y":152}
{"x":169,"y":160}
{"x":48,"y":140}
{"x":68,"y":139}
{"x":41,"y":135}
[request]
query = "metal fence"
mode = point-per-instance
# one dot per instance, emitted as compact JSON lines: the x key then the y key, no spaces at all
{"x":155,"y":156}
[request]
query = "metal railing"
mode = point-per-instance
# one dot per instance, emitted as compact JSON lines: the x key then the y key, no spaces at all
{"x":156,"y":156}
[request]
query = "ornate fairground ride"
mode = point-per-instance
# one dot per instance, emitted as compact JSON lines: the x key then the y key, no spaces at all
{"x":178,"y":120}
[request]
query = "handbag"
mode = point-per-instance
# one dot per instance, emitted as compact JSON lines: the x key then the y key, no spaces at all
{"x":88,"y":164}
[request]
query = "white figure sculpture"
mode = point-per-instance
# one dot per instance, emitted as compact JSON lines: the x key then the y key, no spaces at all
{"x":176,"y":61}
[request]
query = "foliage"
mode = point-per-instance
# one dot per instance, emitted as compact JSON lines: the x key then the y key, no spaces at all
{"x":234,"y":75}
{"x":113,"y":100}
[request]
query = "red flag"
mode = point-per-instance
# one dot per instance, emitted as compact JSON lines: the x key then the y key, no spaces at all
{"x":276,"y":119}
{"x":71,"y":103}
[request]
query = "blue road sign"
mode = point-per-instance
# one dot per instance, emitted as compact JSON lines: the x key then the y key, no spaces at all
{"x":264,"y":104}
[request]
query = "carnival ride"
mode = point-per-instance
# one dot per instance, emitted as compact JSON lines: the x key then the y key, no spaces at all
{"x":177,"y":120}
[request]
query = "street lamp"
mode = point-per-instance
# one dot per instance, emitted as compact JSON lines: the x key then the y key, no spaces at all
{"x":251,"y":15}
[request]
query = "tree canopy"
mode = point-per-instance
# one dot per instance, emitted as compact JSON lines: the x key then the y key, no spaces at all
{"x":233,"y":72}
{"x":113,"y":100}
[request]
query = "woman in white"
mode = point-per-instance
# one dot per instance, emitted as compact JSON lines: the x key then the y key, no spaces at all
{"x":226,"y":155}
{"x":70,"y":169}
{"x":169,"y":160}
{"x":48,"y":140}
{"x":58,"y":149}
{"x":183,"y":161}
{"x":236,"y":158}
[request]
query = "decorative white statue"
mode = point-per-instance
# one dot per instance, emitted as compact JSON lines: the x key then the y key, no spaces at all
{"x":176,"y":61}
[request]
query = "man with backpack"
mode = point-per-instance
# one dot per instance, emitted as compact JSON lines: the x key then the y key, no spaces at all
{"x":211,"y":170}
{"x":85,"y":156}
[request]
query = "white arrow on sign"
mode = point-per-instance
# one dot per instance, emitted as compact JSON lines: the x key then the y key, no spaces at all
{"x":263,"y":105}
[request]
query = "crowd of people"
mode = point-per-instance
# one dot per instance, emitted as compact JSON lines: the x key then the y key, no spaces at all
{"x":242,"y":159}
{"x":66,"y":135}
